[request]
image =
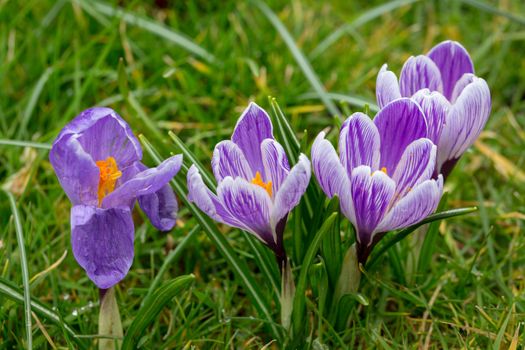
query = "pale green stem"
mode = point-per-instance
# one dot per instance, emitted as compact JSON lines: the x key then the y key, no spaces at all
{"x":350,"y":277}
{"x":109,"y":324}
{"x":287,"y":295}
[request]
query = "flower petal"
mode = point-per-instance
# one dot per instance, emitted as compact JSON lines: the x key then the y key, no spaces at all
{"x":77,"y":172}
{"x":103,"y":133}
{"x":399,"y":124}
{"x":161,"y":208}
{"x":229,"y":160}
{"x":435,"y":107}
{"x":453,"y":61}
{"x":371,"y":194}
{"x":102,"y":241}
{"x":387,"y":87}
{"x":414,"y":207}
{"x":465,"y":121}
{"x":418,"y":73}
{"x":275,"y":163}
{"x":416,"y":165}
{"x":292,"y":190}
{"x":146,"y":182}
{"x":465,"y":80}
{"x":253,"y":127}
{"x":359,"y":143}
{"x":250,"y":205}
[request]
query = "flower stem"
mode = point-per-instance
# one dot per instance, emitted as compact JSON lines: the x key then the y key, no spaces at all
{"x":109,"y":323}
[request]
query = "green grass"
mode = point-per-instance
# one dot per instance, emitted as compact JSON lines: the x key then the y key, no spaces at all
{"x":191,"y":68}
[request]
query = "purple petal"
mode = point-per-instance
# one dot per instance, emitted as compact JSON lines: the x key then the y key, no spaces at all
{"x":416,"y":165}
{"x":102,"y":241}
{"x":435,"y":107}
{"x":465,"y":80}
{"x":77,"y":172}
{"x":414,"y":207}
{"x":387,"y":87}
{"x":229,"y":160}
{"x":161,"y":208}
{"x":275,"y":163}
{"x":103,"y":133}
{"x":250,"y":205}
{"x":359,"y":143}
{"x":418,"y":73}
{"x":207,"y":201}
{"x":371,"y":194}
{"x":465,"y":121}
{"x":292,"y":189}
{"x":253,"y":127}
{"x":146,"y":182}
{"x":453,"y":61}
{"x":399,"y":124}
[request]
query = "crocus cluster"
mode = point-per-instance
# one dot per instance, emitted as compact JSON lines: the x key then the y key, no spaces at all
{"x":97,"y":160}
{"x":456,"y":103}
{"x":256,"y":189}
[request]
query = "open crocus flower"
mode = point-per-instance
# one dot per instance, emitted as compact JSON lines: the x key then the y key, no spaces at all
{"x":383,"y":175}
{"x":456,"y":103}
{"x":256,"y":188}
{"x":97,"y":160}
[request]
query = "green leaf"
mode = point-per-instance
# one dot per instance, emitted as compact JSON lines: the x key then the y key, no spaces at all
{"x":12,"y":292}
{"x":495,"y":11}
{"x":153,"y":305}
{"x":405,"y":232}
{"x":352,"y":100}
{"x":25,"y":144}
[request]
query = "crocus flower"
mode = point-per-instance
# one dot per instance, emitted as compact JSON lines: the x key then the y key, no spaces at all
{"x":383,"y":175}
{"x":96,"y":158}
{"x":256,"y":189}
{"x":456,"y":103}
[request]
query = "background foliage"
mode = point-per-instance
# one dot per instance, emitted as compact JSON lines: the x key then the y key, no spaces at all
{"x":191,"y":68}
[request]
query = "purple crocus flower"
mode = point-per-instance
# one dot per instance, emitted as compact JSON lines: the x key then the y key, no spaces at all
{"x":256,"y":187}
{"x":97,"y":160}
{"x":383,"y":175}
{"x":456,"y":102}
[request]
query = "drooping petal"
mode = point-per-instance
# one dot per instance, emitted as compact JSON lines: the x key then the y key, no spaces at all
{"x":465,"y":121}
{"x":418,"y":73}
{"x":146,"y":182}
{"x":387,"y":87}
{"x":416,"y":165}
{"x":250,"y":205}
{"x":435,"y":107}
{"x":102,"y":241}
{"x":161,"y":207}
{"x":77,"y":172}
{"x":371,"y":194}
{"x":275,"y":163}
{"x":399,"y":124}
{"x":359,"y":143}
{"x":253,"y":127}
{"x":331,"y":175}
{"x":465,"y":80}
{"x":103,"y":133}
{"x":207,"y":201}
{"x":229,"y":160}
{"x":453,"y":61}
{"x":414,"y":207}
{"x":292,"y":190}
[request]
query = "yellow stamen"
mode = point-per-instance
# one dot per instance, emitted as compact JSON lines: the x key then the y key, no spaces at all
{"x":109,"y":174}
{"x":257,"y":180}
{"x":383,"y":169}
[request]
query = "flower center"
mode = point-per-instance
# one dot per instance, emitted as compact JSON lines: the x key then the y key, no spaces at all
{"x":257,"y":180}
{"x":109,"y":174}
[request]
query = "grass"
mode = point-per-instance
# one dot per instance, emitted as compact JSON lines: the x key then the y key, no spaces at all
{"x":195,"y":66}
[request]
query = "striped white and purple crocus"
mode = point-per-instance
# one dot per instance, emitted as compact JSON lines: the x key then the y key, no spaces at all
{"x":256,"y":189}
{"x":383,"y":174}
{"x":97,"y":160}
{"x":456,"y":103}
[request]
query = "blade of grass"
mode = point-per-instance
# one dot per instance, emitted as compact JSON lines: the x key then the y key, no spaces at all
{"x":151,"y":26}
{"x":405,"y":232}
{"x":153,"y":305}
{"x":25,"y":144}
{"x":25,"y":273}
{"x":271,"y":274}
{"x":299,"y":57}
{"x":360,"y":20}
{"x":350,"y":99}
{"x":494,"y":11}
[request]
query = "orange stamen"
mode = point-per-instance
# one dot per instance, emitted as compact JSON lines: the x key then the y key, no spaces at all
{"x":257,"y":180}
{"x":109,"y":174}
{"x":383,"y":169}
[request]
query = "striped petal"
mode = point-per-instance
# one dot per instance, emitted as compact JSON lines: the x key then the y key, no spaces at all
{"x":418,"y":73}
{"x":387,"y":87}
{"x":435,"y":107}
